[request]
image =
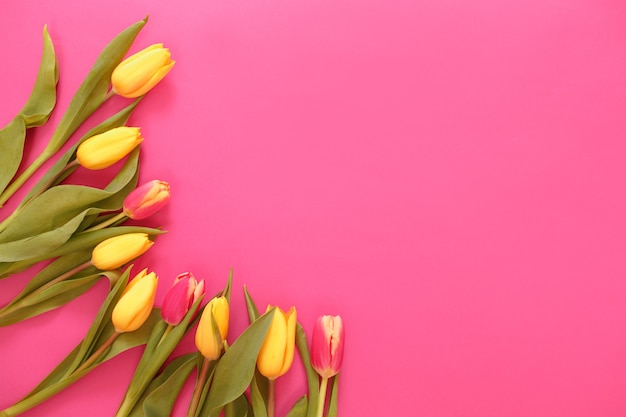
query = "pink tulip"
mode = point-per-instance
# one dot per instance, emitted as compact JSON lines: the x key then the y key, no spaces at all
{"x":147,"y":199}
{"x":183,"y":293}
{"x":327,"y":345}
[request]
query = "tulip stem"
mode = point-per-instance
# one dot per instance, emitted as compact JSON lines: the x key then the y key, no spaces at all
{"x":165,"y":333}
{"x":321,"y":401}
{"x":197,"y":392}
{"x":24,"y":176}
{"x":271,"y":397}
{"x":106,"y":223}
{"x":96,"y":355}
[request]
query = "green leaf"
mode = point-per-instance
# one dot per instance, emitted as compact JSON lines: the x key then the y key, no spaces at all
{"x":42,"y":99}
{"x":238,"y":408}
{"x":259,"y":392}
{"x":162,"y":341}
{"x":35,"y":112}
{"x":253,"y":312}
{"x":12,"y":138}
{"x":311,"y":376}
{"x":161,"y":395}
{"x":33,"y":301}
{"x":91,"y":94}
{"x":332,"y":402}
{"x":299,"y":409}
{"x":236,"y":367}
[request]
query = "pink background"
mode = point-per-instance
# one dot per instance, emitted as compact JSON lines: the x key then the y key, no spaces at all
{"x":446,"y":175}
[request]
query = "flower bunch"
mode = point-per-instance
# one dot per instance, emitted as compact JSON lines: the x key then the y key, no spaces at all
{"x":80,"y":228}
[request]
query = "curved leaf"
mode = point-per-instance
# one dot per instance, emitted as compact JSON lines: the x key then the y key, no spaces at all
{"x":162,"y":393}
{"x":12,"y":138}
{"x":299,"y":409}
{"x":311,"y":376}
{"x":42,"y":99}
{"x":35,"y":112}
{"x":236,"y":368}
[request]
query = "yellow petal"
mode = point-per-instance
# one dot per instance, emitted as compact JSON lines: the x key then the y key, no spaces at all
{"x":134,"y":307}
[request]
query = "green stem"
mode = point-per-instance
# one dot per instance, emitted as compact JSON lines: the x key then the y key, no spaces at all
{"x":197,"y":391}
{"x":37,"y":398}
{"x":271,"y":397}
{"x":165,"y":333}
{"x":24,"y":176}
{"x":106,"y":223}
{"x":98,"y":353}
{"x":322,"y":398}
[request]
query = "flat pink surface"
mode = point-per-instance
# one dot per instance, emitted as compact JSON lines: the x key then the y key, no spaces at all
{"x":447,"y":175}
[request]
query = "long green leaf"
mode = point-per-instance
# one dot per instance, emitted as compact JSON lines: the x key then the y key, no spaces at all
{"x":161,"y":343}
{"x":42,"y":99}
{"x":238,"y":408}
{"x":35,"y":112}
{"x":311,"y":376}
{"x":12,"y":138}
{"x":236,"y":367}
{"x":162,"y":393}
{"x":259,"y":388}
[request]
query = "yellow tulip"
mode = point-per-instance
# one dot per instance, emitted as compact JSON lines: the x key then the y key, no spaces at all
{"x":276,"y":354}
{"x":213,"y":328}
{"x":137,"y":74}
{"x":118,"y":250}
{"x":103,"y":150}
{"x":135,"y":304}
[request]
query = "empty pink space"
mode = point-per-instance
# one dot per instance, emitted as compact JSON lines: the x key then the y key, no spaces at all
{"x":448,"y":176}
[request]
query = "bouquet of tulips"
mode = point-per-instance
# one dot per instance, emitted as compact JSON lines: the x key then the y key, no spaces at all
{"x":79,"y":230}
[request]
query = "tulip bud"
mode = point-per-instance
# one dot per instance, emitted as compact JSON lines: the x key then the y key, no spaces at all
{"x":116,"y":251}
{"x":147,"y":199}
{"x":213,"y":328}
{"x":103,"y":150}
{"x":183,"y":293}
{"x":276,"y":354}
{"x":137,"y":74}
{"x":135,"y":304}
{"x":327,"y":345}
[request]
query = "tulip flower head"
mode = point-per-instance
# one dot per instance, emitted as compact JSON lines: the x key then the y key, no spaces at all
{"x":277,"y":351}
{"x":105,"y":149}
{"x":116,"y":251}
{"x":213,"y":328}
{"x":183,"y":293}
{"x":137,"y":74}
{"x":135,"y":304}
{"x":147,"y":199}
{"x":327,"y":345}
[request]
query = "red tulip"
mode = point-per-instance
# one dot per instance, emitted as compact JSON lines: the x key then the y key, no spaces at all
{"x":327,"y":345}
{"x":147,"y":199}
{"x":183,"y":293}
